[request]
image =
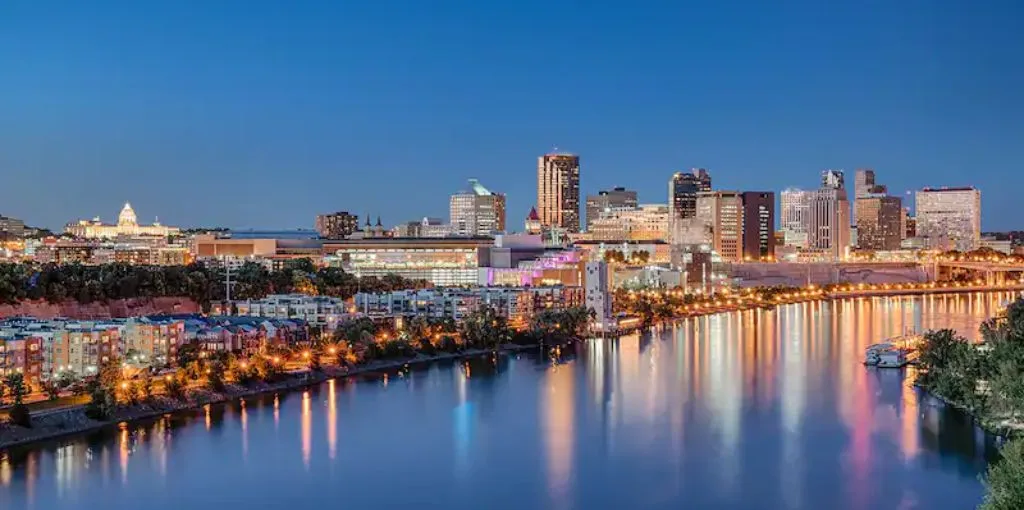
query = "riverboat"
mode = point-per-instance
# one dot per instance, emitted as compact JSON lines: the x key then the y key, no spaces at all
{"x":895,"y":352}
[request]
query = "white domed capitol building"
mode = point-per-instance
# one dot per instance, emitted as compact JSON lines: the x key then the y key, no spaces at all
{"x":127,"y":226}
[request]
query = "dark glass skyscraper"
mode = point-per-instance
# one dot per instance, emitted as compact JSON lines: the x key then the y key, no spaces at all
{"x":682,"y":192}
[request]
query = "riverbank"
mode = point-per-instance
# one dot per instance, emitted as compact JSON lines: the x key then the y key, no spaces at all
{"x":741,"y":302}
{"x":68,"y":421}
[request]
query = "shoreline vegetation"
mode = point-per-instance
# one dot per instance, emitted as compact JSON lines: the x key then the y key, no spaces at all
{"x":985,"y":379}
{"x":356,"y":347}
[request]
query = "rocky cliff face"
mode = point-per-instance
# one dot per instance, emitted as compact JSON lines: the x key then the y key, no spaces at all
{"x":101,"y":309}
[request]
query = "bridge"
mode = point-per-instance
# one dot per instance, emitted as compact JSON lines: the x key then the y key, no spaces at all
{"x":988,"y":272}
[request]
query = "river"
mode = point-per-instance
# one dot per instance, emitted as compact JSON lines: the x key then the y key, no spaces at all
{"x":747,"y":410}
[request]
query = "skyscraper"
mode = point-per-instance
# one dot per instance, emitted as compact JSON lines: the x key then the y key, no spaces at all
{"x":558,"y":191}
{"x":879,"y":222}
{"x":682,"y":192}
{"x":829,"y":224}
{"x":949,"y":218}
{"x":721,"y":212}
{"x":878,"y":217}
{"x":758,"y":224}
{"x":477,"y":211}
{"x":864,"y":184}
{"x":796,"y":216}
{"x":615,"y":198}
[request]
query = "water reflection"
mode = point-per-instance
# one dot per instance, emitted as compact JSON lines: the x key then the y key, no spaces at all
{"x":755,"y":409}
{"x":557,"y":403}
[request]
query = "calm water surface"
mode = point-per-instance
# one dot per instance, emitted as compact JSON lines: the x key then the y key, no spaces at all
{"x":749,"y":410}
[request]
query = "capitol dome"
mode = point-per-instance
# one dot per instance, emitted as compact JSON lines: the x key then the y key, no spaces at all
{"x":127,"y":216}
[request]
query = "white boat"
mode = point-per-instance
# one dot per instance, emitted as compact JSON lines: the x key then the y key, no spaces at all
{"x":894,"y":358}
{"x":894,"y":352}
{"x":872,"y":355}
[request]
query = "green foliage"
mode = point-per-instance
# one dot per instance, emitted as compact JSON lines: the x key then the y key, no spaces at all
{"x":145,"y":385}
{"x":15,"y":384}
{"x":558,"y":326}
{"x":175,"y":386}
{"x":951,"y":367}
{"x":52,"y":389}
{"x":485,"y":328}
{"x":89,"y":283}
{"x":103,"y":401}
{"x":214,"y":375}
{"x":1005,"y":479}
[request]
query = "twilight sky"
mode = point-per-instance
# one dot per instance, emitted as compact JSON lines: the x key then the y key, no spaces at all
{"x":263,"y":113}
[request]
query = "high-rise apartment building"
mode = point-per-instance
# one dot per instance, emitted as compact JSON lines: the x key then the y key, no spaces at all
{"x":477,"y":211}
{"x":879,"y":222}
{"x":558,"y":191}
{"x":796,"y":216}
{"x":682,"y":192}
{"x":949,"y":218}
{"x":337,"y":225}
{"x":758,"y":224}
{"x":829,"y":225}
{"x":615,"y":198}
{"x":721,"y":213}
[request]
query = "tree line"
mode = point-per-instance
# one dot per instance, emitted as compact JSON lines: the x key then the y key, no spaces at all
{"x":90,"y":283}
{"x":986,"y":379}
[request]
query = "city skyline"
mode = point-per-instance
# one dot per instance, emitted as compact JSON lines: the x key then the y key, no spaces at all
{"x":178,"y":111}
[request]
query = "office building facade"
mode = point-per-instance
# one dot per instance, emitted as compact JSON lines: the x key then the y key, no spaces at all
{"x":558,"y":191}
{"x":615,"y":198}
{"x":721,"y":214}
{"x":336,"y":225}
{"x":758,"y":225}
{"x":879,"y":220}
{"x":829,"y":225}
{"x":949,"y":218}
{"x":476,"y":211}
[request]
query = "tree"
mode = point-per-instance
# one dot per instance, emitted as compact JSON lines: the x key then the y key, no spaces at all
{"x":175,"y":386}
{"x":1005,"y":479}
{"x":215,"y":376}
{"x":145,"y":385}
{"x":15,"y":384}
{"x":485,"y":328}
{"x":52,"y":389}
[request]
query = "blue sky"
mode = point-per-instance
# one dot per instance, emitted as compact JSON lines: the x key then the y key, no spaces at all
{"x":261,"y":114}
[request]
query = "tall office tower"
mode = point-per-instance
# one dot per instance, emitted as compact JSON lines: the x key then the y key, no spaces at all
{"x":338,"y":225}
{"x":864,"y":184}
{"x":873,"y":214}
{"x":863,"y":180}
{"x":758,"y":224}
{"x":796,"y":216}
{"x":829,"y":224}
{"x":721,"y":213}
{"x":949,"y":218}
{"x":833,"y":179}
{"x":558,"y":191}
{"x":477,"y":211}
{"x":615,"y":198}
{"x":879,"y":222}
{"x":682,"y":192}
